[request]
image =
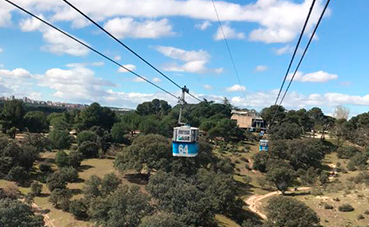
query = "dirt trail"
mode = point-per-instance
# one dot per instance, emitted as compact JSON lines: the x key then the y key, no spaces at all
{"x":254,"y":201}
{"x":47,"y":220}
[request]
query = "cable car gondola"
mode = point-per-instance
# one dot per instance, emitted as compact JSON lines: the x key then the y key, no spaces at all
{"x":264,"y":145}
{"x":185,"y":137}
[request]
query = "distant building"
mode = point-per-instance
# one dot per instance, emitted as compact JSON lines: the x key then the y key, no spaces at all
{"x":248,"y":120}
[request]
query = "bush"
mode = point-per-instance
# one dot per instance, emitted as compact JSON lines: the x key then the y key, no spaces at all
{"x":36,"y":188}
{"x":360,"y":217}
{"x":79,"y":209}
{"x":45,"y":167}
{"x":60,"y":139}
{"x":55,"y":181}
{"x":69,"y":174}
{"x":86,"y":136}
{"x":75,"y":158}
{"x":366,"y":212}
{"x":347,"y":152}
{"x":17,"y":174}
{"x":60,"y":198}
{"x":61,"y":159}
{"x":328,"y":207}
{"x":346,"y":208}
{"x":89,"y":149}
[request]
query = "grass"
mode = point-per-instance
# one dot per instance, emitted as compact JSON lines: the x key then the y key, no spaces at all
{"x":223,"y":221}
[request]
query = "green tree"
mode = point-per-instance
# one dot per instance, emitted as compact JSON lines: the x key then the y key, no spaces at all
{"x":35,"y":121}
{"x":286,"y":131}
{"x":91,"y":189}
{"x":62,"y":159}
{"x":68,"y":174}
{"x":36,"y":188}
{"x":39,"y":141}
{"x":125,"y":207}
{"x":86,"y":136}
{"x":60,"y":198}
{"x":156,"y":106}
{"x":89,"y":149}
{"x":79,"y":209}
{"x":119,"y":131}
{"x":56,"y":181}
{"x":15,"y":213}
{"x":75,"y":158}
{"x":189,"y":204}
{"x":60,"y":139}
{"x":152,"y":151}
{"x":109,"y":184}
{"x":95,"y":115}
{"x":59,"y":123}
{"x":227,"y":129}
{"x":281,"y":175}
{"x":273,"y":113}
{"x":288,"y":212}
{"x":12,"y":115}
{"x":161,"y":220}
{"x":18,"y":174}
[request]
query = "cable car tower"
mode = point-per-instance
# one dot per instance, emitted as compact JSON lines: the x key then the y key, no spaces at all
{"x":185,"y":137}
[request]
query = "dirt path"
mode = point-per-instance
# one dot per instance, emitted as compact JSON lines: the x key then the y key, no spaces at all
{"x":47,"y":220}
{"x":254,"y":201}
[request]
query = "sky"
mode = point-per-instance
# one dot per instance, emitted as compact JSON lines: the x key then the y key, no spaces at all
{"x":183,"y":39}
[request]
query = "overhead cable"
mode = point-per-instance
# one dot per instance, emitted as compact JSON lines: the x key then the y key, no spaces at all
{"x":228,"y":48}
{"x":92,"y":49}
{"x":127,"y":47}
{"x":295,"y":51}
{"x":306,"y":48}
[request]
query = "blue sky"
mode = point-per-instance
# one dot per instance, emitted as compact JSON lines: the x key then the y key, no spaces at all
{"x":182,"y":38}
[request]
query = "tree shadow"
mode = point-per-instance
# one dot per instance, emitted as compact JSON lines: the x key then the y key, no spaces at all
{"x":84,"y":168}
{"x":76,"y":191}
{"x":137,"y":178}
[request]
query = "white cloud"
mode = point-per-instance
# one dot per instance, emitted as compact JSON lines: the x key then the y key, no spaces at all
{"x":1,"y":50}
{"x":156,"y":80}
{"x":76,"y":65}
{"x":128,"y":66}
{"x":74,"y":84}
{"x":317,"y":77}
{"x":207,"y":86}
{"x":235,"y":88}
{"x":57,"y":43}
{"x":195,"y":61}
{"x":203,"y":26}
{"x":279,"y":21}
{"x":229,"y":33}
{"x":117,"y":58}
{"x":16,"y":73}
{"x":284,"y":50}
{"x":260,"y":68}
{"x":138,"y":80}
{"x":129,"y":28}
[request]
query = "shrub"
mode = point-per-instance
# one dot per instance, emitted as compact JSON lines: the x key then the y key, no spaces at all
{"x":60,"y":198}
{"x":75,"y":158}
{"x":36,"y":188}
{"x":45,"y":167}
{"x":360,"y":217}
{"x":60,"y":139}
{"x":79,"y":209}
{"x":55,"y":181}
{"x":346,"y":208}
{"x":86,"y":136}
{"x":89,"y":149}
{"x":69,"y":174}
{"x":61,"y":159}
{"x":347,"y":152}
{"x":17,"y":174}
{"x":328,"y":207}
{"x":366,"y":212}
